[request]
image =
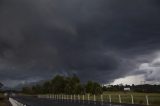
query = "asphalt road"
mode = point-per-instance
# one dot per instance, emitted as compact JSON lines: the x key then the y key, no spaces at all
{"x":34,"y":101}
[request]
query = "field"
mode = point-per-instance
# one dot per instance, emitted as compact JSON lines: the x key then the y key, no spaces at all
{"x":138,"y":98}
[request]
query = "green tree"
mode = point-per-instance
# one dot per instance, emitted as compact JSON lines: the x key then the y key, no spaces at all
{"x":58,"y":84}
{"x":79,"y":89}
{"x":93,"y":88}
{"x":89,"y":86}
{"x":68,"y":89}
{"x":37,"y":89}
{"x":47,"y":87}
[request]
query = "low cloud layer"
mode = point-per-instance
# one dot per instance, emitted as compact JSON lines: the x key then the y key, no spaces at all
{"x":97,"y":40}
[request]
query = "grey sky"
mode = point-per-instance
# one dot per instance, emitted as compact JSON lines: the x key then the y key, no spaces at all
{"x":98,"y":40}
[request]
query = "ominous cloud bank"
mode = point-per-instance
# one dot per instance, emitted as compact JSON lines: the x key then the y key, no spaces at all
{"x":96,"y":39}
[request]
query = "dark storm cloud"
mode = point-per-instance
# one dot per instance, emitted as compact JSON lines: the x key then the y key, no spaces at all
{"x":94,"y":39}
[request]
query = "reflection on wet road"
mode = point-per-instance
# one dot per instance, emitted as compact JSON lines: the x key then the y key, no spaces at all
{"x":34,"y":101}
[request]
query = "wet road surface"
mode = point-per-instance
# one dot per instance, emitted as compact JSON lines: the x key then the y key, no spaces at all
{"x":34,"y":101}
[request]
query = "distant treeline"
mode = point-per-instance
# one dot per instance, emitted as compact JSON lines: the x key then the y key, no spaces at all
{"x":72,"y":85}
{"x":66,"y":85}
{"x":135,"y":88}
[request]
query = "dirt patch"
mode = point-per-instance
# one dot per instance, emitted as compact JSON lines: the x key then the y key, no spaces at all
{"x":4,"y":101}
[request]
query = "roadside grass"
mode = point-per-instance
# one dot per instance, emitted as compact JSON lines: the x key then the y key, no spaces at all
{"x":138,"y":98}
{"x":126,"y":98}
{"x":3,"y":101}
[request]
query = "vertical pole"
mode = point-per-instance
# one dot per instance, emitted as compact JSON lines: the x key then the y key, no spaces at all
{"x":74,"y":98}
{"x":71,"y":98}
{"x":67,"y":98}
{"x":132,"y":99}
{"x":88,"y":99}
{"x":79,"y":98}
{"x":64,"y":98}
{"x":83,"y":99}
{"x":94,"y":99}
{"x":61,"y":97}
{"x":101,"y":99}
{"x":110,"y":99}
{"x":120,"y":99}
{"x":147,"y":100}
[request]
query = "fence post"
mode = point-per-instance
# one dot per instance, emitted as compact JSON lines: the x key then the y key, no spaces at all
{"x":94,"y":99}
{"x":147,"y":100}
{"x":101,"y":99}
{"x":67,"y":98}
{"x":132,"y":99}
{"x":64,"y":97}
{"x":88,"y":99}
{"x":110,"y":98}
{"x":71,"y":98}
{"x":83,"y":99}
{"x":74,"y":98}
{"x":120,"y":99}
{"x":79,"y":98}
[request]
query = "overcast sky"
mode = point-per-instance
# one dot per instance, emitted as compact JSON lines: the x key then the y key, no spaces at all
{"x":100,"y":40}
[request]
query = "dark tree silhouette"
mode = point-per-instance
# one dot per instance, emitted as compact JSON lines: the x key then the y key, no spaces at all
{"x":1,"y":85}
